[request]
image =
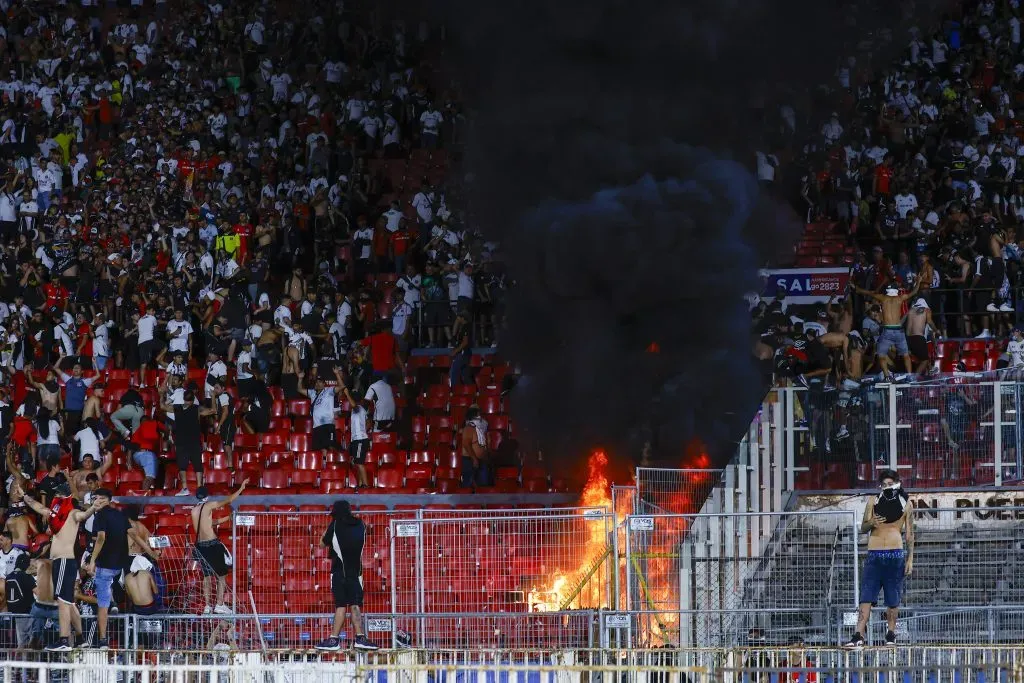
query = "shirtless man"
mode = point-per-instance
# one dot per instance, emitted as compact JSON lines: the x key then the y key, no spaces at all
{"x":892,"y":325}
{"x":919,"y":318}
{"x":66,"y":521}
{"x":887,"y":563}
{"x":141,"y":587}
{"x":45,"y":607}
{"x":213,"y":557}
{"x":19,"y":524}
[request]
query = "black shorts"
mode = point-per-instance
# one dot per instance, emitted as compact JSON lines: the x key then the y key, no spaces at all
{"x":982,"y":298}
{"x":258,"y":420}
{"x":384,"y":426}
{"x":359,"y":450}
{"x":323,"y":437}
{"x":213,"y":558}
{"x":186,"y":456}
{"x":227,"y":433}
{"x":347,"y":590}
{"x":918,"y":346}
{"x":64,"y":573}
{"x":148,"y":350}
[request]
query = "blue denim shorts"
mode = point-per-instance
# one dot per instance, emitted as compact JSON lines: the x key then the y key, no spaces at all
{"x":104,"y":581}
{"x":147,"y":461}
{"x":883,"y":570}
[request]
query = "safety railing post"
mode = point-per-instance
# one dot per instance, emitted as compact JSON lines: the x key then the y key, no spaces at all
{"x":893,"y":418}
{"x":997,"y":437}
{"x":234,"y":563}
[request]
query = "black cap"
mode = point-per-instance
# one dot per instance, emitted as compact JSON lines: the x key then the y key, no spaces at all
{"x":22,"y":562}
{"x":202,"y":493}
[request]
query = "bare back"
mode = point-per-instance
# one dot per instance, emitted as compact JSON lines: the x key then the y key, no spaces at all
{"x":142,"y":533}
{"x":140,"y":588}
{"x":19,"y":528}
{"x":202,"y":521}
{"x":892,"y":307}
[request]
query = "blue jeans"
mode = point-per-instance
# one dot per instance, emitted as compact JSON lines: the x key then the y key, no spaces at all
{"x":147,"y":461}
{"x":101,"y":362}
{"x":43,"y":200}
{"x":44,"y":622}
{"x":459,"y":373}
{"x":104,"y":580}
{"x":883,"y":570}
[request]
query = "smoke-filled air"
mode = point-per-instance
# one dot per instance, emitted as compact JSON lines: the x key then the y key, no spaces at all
{"x":611,"y":155}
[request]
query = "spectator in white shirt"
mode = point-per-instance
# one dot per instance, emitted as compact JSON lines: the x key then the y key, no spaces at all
{"x":430,"y":122}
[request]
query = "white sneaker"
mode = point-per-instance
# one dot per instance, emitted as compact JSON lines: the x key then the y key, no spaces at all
{"x":222,"y":609}
{"x":1006,"y":308}
{"x":991,"y":308}
{"x":182,"y":493}
{"x":985,"y":334}
{"x":850,"y":385}
{"x":207,"y":610}
{"x":843,"y":433}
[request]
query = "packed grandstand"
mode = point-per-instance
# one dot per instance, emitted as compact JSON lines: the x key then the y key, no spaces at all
{"x":235,"y":260}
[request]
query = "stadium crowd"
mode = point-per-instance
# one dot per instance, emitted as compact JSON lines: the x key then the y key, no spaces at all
{"x":228,"y":224}
{"x":913,"y":179}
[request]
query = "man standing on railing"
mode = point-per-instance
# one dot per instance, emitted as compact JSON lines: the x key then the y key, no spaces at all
{"x":892,"y":325}
{"x":887,"y":563}
{"x":344,"y":540}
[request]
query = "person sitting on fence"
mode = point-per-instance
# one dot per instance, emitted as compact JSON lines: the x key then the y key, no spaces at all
{"x":888,"y":562}
{"x":140,"y":586}
{"x":892,"y":333}
{"x":214,"y":559}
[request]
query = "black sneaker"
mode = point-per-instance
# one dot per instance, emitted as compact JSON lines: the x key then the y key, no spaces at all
{"x":363,"y":643}
{"x":83,"y":643}
{"x":60,"y":645}
{"x":103,"y":644}
{"x":890,"y":638}
{"x":855,"y":643}
{"x":329,"y":645}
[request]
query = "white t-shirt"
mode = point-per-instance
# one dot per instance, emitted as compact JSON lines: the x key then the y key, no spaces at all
{"x":52,"y":438}
{"x":383,"y":400}
{"x":1016,"y":351}
{"x":322,"y":406}
{"x":88,"y":442}
{"x":280,"y":83}
{"x":7,"y":211}
{"x":905,"y":203}
{"x":147,"y":326}
{"x":244,"y":360}
{"x":177,"y":398}
{"x":365,"y":234}
{"x":8,"y":560}
{"x":430,"y":120}
{"x":357,"y":424}
{"x":177,"y":333}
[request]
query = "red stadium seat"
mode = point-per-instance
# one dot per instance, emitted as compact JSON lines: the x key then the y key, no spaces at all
{"x":390,"y":476}
{"x":274,"y":479}
{"x":298,"y":407}
{"x":300,"y":442}
{"x":309,"y":461}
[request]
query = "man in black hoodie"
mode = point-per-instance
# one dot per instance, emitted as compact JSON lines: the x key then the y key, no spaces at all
{"x":344,"y":539}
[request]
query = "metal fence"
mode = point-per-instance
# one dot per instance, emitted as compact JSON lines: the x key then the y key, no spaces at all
{"x":682,"y":568}
{"x":949,"y":432}
{"x":521,"y":563}
{"x":674,"y":491}
{"x":758,"y":663}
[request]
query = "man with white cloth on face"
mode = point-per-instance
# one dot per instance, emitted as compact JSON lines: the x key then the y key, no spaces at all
{"x":919,"y":319}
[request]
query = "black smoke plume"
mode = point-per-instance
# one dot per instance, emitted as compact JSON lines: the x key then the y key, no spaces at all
{"x":611,"y":154}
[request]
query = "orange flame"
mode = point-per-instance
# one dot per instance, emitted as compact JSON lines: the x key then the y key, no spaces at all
{"x":563,"y":580}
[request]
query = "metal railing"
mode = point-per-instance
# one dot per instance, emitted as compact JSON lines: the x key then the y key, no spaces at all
{"x":674,"y":491}
{"x":945,"y":432}
{"x":682,"y":568}
{"x":760,"y":662}
{"x":505,"y":563}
